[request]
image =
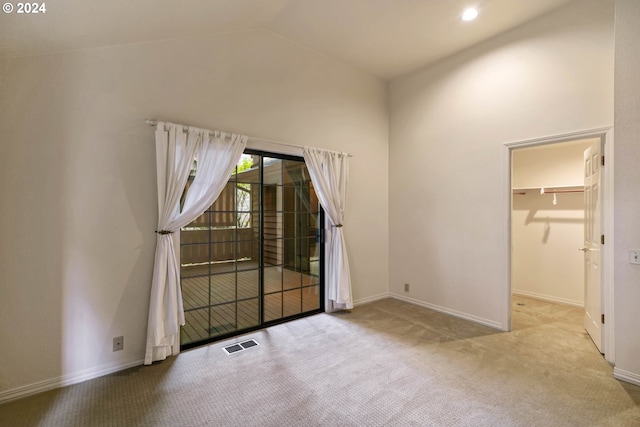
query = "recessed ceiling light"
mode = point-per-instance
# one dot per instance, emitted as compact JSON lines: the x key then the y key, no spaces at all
{"x":470,"y":14}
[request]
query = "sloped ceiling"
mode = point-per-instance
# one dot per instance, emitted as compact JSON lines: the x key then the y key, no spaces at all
{"x":386,"y":38}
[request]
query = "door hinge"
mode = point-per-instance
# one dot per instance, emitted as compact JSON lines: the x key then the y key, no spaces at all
{"x":602,"y":160}
{"x":602,"y":239}
{"x":602,"y":318}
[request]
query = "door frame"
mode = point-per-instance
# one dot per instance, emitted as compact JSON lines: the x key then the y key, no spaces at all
{"x":606,"y":136}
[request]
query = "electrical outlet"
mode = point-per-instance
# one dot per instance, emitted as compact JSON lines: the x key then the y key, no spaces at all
{"x":118,"y":343}
{"x":406,"y":287}
{"x":634,"y":256}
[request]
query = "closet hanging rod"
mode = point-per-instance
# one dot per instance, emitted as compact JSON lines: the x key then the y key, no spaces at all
{"x":522,"y":193}
{"x":154,"y":123}
{"x":562,"y":191}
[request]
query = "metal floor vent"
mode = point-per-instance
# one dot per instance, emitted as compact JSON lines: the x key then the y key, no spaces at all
{"x":230,"y":349}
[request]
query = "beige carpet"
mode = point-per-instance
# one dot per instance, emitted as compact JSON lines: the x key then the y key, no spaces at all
{"x":385,"y":363}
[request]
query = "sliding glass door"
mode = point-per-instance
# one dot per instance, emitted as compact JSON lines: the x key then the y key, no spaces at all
{"x":253,"y":258}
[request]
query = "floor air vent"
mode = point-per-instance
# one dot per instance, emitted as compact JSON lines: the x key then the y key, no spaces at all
{"x":248,"y":344}
{"x":230,"y":349}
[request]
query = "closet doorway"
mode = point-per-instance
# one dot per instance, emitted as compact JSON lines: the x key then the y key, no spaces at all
{"x":254,"y":258}
{"x":549,"y":230}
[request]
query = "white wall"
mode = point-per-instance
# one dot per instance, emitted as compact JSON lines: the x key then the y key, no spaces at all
{"x":77,"y":179}
{"x":545,"y":237}
{"x":550,"y":165}
{"x":546,"y":263}
{"x":448,"y":127}
{"x":626,"y":194}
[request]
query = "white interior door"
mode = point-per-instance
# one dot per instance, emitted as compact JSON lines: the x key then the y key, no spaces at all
{"x":592,"y":243}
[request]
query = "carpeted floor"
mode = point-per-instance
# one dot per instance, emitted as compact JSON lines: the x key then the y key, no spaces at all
{"x":384,"y":363}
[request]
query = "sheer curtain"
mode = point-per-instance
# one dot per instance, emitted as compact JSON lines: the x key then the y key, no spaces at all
{"x":329,"y":172}
{"x":176,"y":150}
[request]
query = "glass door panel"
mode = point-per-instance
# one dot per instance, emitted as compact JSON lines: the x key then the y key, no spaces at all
{"x":252,"y":259}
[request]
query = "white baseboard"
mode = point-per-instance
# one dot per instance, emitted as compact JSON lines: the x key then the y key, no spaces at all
{"x":475,"y":319}
{"x":65,"y":380}
{"x":371,"y":299}
{"x":549,"y":298}
{"x":626,"y":376}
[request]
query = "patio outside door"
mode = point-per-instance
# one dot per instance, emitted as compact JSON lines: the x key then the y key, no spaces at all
{"x":253,"y":258}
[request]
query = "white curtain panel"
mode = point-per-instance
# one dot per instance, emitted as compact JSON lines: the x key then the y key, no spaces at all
{"x":176,"y":151}
{"x":329,"y":172}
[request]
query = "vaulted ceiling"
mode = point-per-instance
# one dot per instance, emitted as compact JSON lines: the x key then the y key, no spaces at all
{"x":386,"y":38}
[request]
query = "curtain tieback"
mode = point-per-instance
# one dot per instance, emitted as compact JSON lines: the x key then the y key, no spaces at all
{"x":164,"y":232}
{"x":337,"y":225}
